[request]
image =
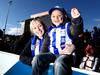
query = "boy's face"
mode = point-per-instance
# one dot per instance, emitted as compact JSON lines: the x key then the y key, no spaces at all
{"x":57,"y":17}
{"x":37,"y":28}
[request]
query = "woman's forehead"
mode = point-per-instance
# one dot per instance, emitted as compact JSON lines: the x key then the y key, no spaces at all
{"x":35,"y":23}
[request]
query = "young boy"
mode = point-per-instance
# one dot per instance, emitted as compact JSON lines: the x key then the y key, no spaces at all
{"x":59,"y":45}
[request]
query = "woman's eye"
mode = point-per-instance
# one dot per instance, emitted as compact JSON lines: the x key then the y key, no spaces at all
{"x":53,"y":16}
{"x":34,"y":28}
{"x":40,"y":25}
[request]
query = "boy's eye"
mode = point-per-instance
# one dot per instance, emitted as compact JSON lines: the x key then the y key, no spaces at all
{"x":57,"y":16}
{"x":60,"y":16}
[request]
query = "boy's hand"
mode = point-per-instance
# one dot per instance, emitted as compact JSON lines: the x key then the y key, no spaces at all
{"x":75,"y":13}
{"x":68,"y":49}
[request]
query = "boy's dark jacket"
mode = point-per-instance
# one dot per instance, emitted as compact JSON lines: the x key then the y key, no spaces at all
{"x":76,"y":29}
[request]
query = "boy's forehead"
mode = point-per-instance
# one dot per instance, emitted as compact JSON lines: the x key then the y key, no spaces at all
{"x":57,"y":8}
{"x":57,"y":12}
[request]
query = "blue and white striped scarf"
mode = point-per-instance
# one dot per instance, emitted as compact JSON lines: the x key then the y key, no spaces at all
{"x":59,"y":36}
{"x":36,"y":44}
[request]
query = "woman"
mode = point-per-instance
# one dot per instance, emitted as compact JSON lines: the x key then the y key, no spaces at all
{"x":33,"y":47}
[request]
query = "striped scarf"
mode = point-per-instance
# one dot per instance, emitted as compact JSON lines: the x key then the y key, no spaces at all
{"x":36,"y":44}
{"x":59,"y":36}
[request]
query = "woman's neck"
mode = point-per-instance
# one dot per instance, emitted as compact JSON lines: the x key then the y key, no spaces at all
{"x":40,"y":37}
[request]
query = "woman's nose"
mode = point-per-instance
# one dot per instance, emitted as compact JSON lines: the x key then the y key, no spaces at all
{"x":38,"y":28}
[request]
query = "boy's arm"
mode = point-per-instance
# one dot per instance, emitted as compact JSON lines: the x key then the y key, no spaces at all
{"x":77,"y":23}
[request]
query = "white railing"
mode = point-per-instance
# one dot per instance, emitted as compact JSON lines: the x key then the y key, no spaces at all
{"x":7,"y":60}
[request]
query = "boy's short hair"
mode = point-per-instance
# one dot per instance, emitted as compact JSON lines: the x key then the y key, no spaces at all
{"x":57,"y":8}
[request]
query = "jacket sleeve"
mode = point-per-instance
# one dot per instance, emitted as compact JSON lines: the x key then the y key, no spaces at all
{"x":45,"y":44}
{"x":76,"y":26}
{"x":26,"y":56}
{"x":96,"y":65}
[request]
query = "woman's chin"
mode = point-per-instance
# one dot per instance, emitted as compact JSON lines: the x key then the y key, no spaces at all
{"x":40,"y":35}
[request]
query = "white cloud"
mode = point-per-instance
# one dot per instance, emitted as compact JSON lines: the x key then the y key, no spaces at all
{"x":98,"y":20}
{"x":15,"y":31}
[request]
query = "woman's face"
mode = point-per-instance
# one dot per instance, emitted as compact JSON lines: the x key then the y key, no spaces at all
{"x":37,"y":28}
{"x":57,"y":17}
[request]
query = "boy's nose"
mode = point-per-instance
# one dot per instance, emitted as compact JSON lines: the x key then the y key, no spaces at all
{"x":56,"y":18}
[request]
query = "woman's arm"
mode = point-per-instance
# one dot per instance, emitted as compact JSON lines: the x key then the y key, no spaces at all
{"x":45,"y":44}
{"x":26,"y":56}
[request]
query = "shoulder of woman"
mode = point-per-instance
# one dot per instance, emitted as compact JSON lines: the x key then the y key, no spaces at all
{"x":46,"y":35}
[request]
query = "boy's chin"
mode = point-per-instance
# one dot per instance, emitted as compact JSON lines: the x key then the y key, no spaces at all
{"x":57,"y":24}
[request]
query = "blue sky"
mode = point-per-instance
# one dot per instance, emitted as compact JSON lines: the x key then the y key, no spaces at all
{"x":22,"y":9}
